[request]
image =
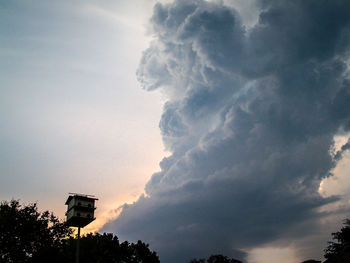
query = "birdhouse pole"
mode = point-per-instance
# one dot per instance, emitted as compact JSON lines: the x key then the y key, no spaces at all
{"x":80,"y":212}
{"x":78,"y":247}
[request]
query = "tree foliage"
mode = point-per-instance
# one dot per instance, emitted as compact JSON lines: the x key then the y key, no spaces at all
{"x":26,"y":233}
{"x":341,"y":243}
{"x":105,"y":248}
{"x":215,"y":259}
{"x":28,"y":236}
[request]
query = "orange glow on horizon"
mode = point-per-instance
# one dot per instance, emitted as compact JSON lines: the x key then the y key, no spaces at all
{"x":107,"y":212}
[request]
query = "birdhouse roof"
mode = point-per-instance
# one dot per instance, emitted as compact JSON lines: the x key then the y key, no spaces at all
{"x":80,"y":197}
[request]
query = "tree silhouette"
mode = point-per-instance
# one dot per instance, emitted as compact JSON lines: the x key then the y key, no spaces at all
{"x":105,"y":248}
{"x":26,"y":234}
{"x":215,"y":259}
{"x":341,"y":244}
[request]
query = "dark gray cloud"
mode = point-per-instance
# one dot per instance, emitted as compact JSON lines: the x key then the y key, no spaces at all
{"x":250,"y":121}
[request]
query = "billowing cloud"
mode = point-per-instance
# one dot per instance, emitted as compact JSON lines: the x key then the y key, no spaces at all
{"x":250,"y":118}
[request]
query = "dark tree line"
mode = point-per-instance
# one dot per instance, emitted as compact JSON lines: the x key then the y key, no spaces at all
{"x":28,"y":236}
{"x":338,"y":250}
{"x":215,"y":259}
{"x":25,"y":233}
{"x":105,"y":248}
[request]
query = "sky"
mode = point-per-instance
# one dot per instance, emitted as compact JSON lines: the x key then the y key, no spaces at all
{"x":71,"y":108}
{"x":203,"y":127}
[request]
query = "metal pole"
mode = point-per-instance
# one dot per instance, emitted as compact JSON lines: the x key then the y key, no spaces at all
{"x":78,"y":245}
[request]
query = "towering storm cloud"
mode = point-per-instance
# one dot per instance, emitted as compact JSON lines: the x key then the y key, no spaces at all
{"x":250,"y":118}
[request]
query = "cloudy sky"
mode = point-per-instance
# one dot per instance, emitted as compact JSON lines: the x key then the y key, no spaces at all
{"x":202,"y":126}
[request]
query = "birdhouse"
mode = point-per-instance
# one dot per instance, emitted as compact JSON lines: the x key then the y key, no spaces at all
{"x":80,"y":210}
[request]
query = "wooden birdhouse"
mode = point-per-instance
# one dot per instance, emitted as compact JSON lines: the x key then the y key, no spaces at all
{"x":80,"y":210}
